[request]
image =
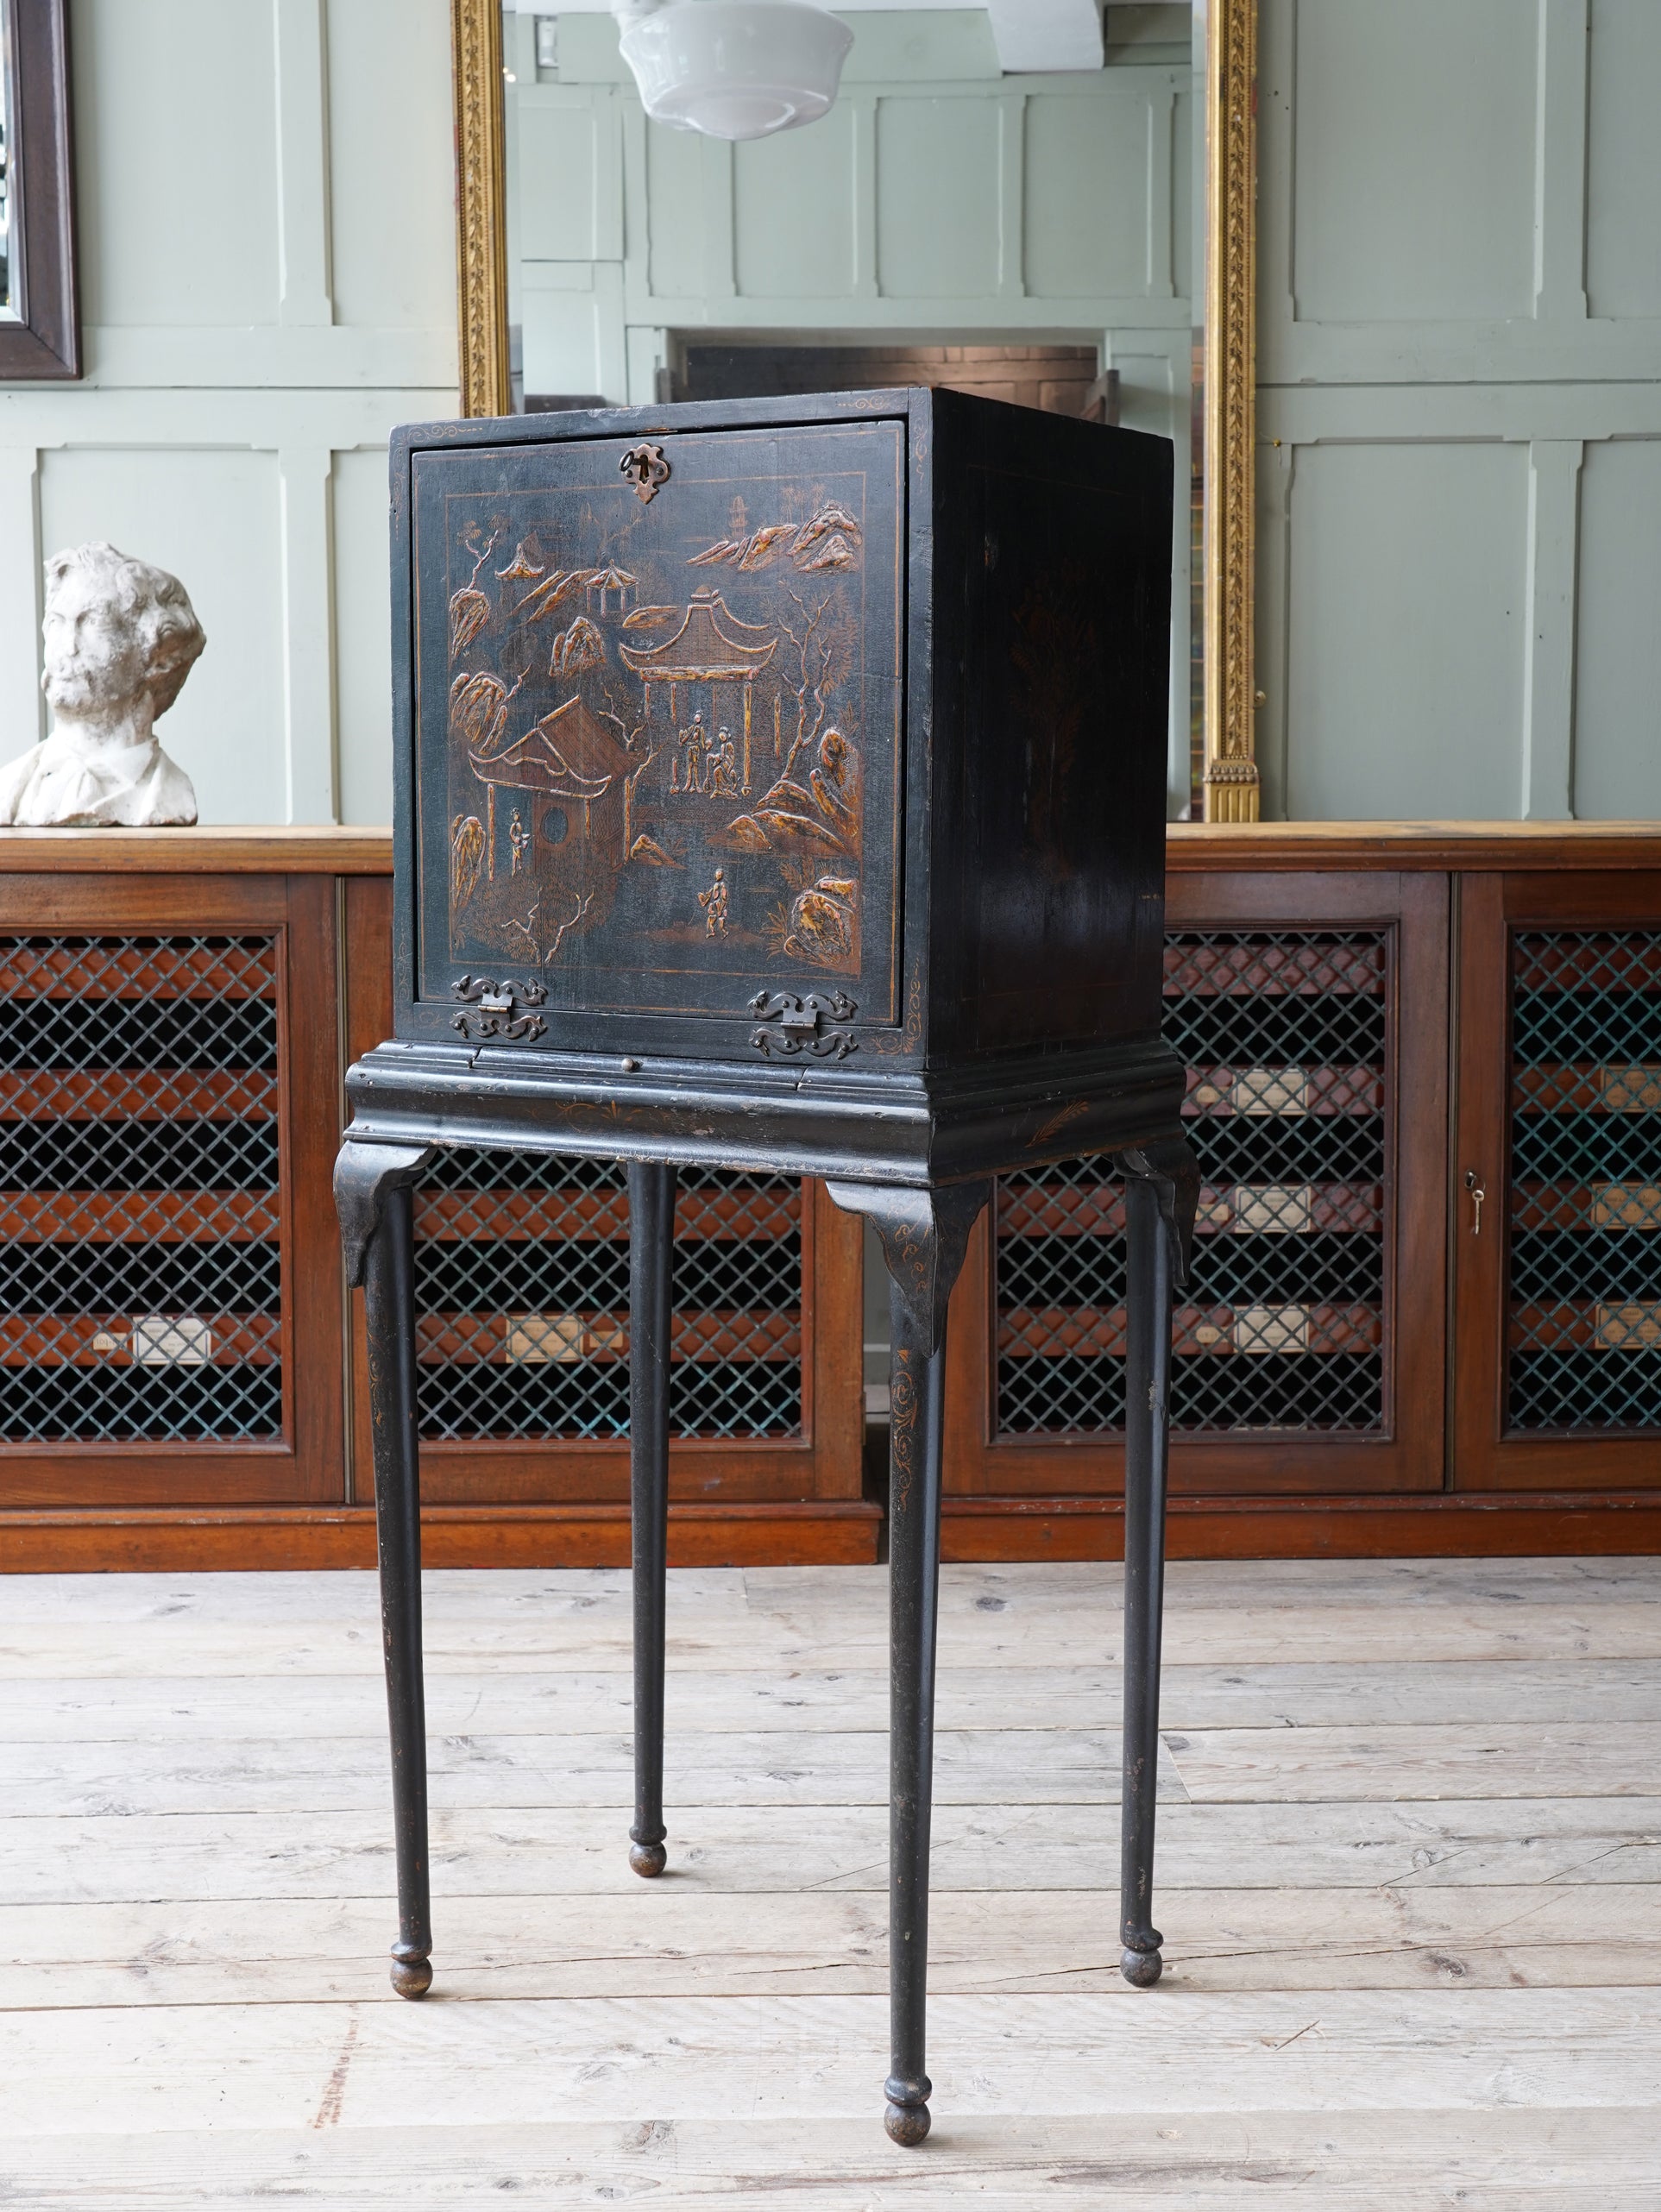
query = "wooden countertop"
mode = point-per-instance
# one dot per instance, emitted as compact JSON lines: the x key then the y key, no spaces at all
{"x":195,"y":851}
{"x":1191,"y":848}
{"x":1216,"y":847}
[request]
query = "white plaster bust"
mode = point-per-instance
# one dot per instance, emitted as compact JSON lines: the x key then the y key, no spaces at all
{"x":121,"y":638}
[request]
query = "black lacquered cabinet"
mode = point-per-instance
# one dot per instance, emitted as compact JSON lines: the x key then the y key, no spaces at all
{"x":822,"y":739}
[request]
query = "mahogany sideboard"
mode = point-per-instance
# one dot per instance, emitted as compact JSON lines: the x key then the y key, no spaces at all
{"x":1381,"y":1020}
{"x":178,"y":1385}
{"x":1424,"y":1313}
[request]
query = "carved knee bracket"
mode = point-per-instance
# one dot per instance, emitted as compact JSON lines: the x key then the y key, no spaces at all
{"x":924,"y":1236}
{"x":1171,"y":1167}
{"x":363,"y":1175}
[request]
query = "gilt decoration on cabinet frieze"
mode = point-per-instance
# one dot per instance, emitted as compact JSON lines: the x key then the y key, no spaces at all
{"x":656,"y":736}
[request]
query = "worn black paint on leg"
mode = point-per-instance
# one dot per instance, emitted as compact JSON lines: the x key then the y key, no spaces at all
{"x":652,"y":1247}
{"x":923,"y":1235}
{"x":1161,"y":1185}
{"x":389,"y":1297}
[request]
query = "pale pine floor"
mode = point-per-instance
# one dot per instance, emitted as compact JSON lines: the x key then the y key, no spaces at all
{"x":1410,"y":1879}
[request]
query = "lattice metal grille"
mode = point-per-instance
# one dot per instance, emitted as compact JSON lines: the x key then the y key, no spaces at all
{"x":1285,"y":1034}
{"x":1585,"y":1187}
{"x":522,"y":1298}
{"x":139,"y":1249}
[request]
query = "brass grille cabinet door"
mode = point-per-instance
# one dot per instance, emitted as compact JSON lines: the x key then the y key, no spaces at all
{"x":171,"y":1314}
{"x":1298,"y":1365}
{"x":1556,"y":1187}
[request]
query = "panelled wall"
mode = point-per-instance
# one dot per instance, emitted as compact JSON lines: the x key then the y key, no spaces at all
{"x":938,"y":202}
{"x":1459,"y":347}
{"x":266,"y":285}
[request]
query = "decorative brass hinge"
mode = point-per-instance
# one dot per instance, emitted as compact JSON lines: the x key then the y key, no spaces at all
{"x":646,"y":469}
{"x":798,"y":1021}
{"x":499,"y":1005}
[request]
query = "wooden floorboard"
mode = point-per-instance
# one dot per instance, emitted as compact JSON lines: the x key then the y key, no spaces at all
{"x":205,"y":1709}
{"x":1409,"y":1873}
{"x":1510,"y":2159}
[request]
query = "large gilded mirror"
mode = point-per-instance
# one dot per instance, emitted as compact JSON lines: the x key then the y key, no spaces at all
{"x":977,"y":210}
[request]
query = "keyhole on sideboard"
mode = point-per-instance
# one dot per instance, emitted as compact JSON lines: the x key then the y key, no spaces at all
{"x":1477,"y":1195}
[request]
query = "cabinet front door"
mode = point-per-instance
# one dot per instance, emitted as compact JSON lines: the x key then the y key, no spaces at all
{"x":658,"y":729}
{"x":1310,"y":1340}
{"x":1556,"y":1183}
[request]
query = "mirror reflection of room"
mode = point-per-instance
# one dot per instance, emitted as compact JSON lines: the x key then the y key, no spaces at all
{"x":1000,"y":201}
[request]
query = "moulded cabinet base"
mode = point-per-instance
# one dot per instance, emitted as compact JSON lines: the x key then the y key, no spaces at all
{"x":1520,"y":1526}
{"x":811,"y":1533}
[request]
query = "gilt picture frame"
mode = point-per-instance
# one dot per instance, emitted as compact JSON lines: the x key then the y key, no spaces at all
{"x":1228,"y":98}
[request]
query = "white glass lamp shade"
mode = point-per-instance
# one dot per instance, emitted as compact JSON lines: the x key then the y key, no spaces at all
{"x":736,"y":68}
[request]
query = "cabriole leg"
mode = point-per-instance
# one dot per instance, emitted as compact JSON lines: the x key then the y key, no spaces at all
{"x":372,"y":1190}
{"x":1161,"y":1185}
{"x":923,"y":1236}
{"x":916,"y":1398}
{"x":651,"y":1245}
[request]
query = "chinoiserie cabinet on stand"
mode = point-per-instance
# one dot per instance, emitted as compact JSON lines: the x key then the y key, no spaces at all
{"x":1347,"y":1450}
{"x":777,"y":792}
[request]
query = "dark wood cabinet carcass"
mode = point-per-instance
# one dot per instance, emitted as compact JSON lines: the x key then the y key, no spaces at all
{"x":801,"y":756}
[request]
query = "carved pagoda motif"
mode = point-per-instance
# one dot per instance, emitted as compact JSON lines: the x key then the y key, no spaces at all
{"x":711,"y":646}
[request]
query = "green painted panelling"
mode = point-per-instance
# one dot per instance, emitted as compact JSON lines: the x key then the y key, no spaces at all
{"x":675,"y":211}
{"x":892,"y":49}
{"x":1408,"y":622}
{"x":588,"y":51}
{"x":1623,"y":160}
{"x":1085,"y":206}
{"x":1459,"y":246}
{"x":793,"y":211}
{"x":1415,"y":137}
{"x":559,"y":176}
{"x":938,"y":165}
{"x":1617,"y":762}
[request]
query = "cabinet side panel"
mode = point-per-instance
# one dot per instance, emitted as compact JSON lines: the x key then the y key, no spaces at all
{"x":1054,"y":596}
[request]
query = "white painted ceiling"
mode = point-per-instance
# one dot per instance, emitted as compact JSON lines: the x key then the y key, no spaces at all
{"x":1030,"y":35}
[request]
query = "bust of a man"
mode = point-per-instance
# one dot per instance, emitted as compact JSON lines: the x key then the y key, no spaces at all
{"x":121,"y":638}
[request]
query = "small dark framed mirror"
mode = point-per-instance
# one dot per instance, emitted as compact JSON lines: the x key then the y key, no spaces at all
{"x":40,"y":328}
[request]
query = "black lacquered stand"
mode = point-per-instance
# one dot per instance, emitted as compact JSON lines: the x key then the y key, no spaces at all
{"x":923,"y":1233}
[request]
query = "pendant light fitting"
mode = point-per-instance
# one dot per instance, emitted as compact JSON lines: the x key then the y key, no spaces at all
{"x":733,"y":69}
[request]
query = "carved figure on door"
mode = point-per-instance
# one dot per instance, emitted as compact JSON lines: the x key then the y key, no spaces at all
{"x":713,"y":902}
{"x":724,"y":767}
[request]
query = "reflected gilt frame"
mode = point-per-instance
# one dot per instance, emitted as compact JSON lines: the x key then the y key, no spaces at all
{"x":475,"y":29}
{"x":1231,"y":790}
